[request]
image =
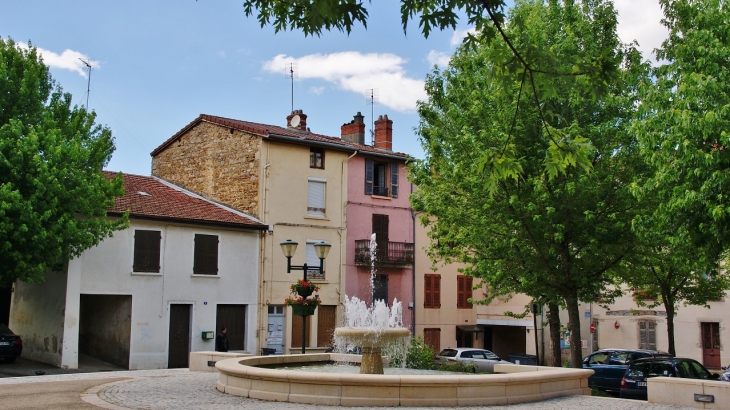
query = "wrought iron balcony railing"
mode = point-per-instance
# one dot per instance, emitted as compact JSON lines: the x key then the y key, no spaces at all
{"x":387,"y":253}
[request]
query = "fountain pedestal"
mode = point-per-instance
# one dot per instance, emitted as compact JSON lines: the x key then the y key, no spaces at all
{"x":372,"y":361}
{"x":371,"y":340}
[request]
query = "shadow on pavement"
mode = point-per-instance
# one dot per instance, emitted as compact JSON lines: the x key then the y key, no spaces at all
{"x":24,"y":367}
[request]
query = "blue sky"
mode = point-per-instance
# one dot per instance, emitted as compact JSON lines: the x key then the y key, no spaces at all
{"x":159,"y":64}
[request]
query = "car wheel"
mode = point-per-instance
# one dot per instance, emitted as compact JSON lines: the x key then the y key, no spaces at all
{"x":9,"y":359}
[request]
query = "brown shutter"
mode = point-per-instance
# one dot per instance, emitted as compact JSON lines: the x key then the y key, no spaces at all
{"x":146,"y":251}
{"x":205,"y":255}
{"x":325,"y":325}
{"x":432,"y":337}
{"x":296,"y":331}
{"x":428,"y":291}
{"x":437,"y":292}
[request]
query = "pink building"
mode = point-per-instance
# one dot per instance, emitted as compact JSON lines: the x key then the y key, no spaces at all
{"x":377,"y":202}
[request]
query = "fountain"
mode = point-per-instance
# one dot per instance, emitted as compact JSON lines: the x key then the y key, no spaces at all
{"x":372,"y":328}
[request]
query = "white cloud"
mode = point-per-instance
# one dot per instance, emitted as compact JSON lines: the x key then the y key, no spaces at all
{"x":68,"y":60}
{"x":459,"y":35}
{"x":316,"y":90}
{"x":438,"y":58}
{"x":640,"y":20}
{"x":358,"y":72}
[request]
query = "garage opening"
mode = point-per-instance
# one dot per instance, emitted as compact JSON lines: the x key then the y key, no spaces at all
{"x":105,"y":328}
{"x":505,"y":340}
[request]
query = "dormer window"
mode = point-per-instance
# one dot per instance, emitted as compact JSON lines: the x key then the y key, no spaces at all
{"x":316,"y":157}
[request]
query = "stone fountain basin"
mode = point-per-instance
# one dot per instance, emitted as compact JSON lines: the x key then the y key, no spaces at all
{"x":368,"y":337}
{"x":513,"y":384}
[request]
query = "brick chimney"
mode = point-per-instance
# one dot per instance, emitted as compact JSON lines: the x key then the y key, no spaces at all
{"x":354,"y":131}
{"x":300,"y":122}
{"x":384,"y":133}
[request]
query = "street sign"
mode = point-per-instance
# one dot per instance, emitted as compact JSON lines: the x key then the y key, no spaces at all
{"x":593,"y":328}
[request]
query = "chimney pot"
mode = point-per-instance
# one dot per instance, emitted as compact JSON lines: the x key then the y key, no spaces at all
{"x":384,"y":133}
{"x":354,"y":131}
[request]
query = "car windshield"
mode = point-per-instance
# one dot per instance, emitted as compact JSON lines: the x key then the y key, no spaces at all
{"x":448,"y":353}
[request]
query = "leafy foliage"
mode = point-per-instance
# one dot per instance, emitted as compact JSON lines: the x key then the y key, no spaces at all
{"x":53,"y":195}
{"x":683,"y":126}
{"x":420,"y":355}
{"x":533,"y":207}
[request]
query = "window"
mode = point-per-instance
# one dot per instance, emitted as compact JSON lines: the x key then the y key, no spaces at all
{"x":463,"y":292}
{"x":326,"y":325}
{"x":432,"y":337}
{"x":647,"y":335}
{"x":313,"y":260}
{"x":316,"y":197}
{"x":599,"y":358}
{"x":619,"y":358}
{"x":146,"y":251}
{"x":432,"y":291}
{"x":380,"y":288}
{"x":205,"y":255}
{"x":316,"y":157}
{"x":380,"y":229}
{"x":381,"y":178}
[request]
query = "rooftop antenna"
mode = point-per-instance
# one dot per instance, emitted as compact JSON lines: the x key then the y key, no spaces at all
{"x":291,"y":72}
{"x":88,"y":84}
{"x":371,"y":98}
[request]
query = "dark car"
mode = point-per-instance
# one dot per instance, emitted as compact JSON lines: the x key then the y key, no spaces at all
{"x":11,"y":345}
{"x":609,"y":366}
{"x":633,"y":384}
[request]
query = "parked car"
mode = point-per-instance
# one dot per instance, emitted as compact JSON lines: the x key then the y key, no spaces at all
{"x":633,"y":384}
{"x":483,"y":360}
{"x":609,"y":366}
{"x":11,"y":345}
{"x":725,"y":376}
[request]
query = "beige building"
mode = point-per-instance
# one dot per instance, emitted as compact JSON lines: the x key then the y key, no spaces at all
{"x":293,"y":180}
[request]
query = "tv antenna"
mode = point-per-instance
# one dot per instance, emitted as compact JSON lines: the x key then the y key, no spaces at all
{"x":371,"y":98}
{"x":88,"y":84}
{"x":292,"y":72}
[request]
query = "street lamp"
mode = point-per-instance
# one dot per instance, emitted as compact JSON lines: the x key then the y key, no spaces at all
{"x":321,"y":249}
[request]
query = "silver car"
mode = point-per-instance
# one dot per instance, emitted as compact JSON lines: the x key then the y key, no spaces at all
{"x":483,"y":360}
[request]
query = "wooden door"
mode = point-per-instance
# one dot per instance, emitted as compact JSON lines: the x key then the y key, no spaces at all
{"x":233,"y":317}
{"x":380,"y":229}
{"x":711,"y":345}
{"x":179,"y":337}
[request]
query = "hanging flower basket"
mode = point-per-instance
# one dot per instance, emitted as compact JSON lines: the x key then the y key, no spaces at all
{"x":303,"y":288}
{"x":300,"y":301}
{"x":304,"y":310}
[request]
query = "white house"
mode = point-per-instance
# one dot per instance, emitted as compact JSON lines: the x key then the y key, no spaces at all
{"x":149,"y":295}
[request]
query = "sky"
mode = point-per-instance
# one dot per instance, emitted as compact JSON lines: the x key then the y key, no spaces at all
{"x":157,"y":65}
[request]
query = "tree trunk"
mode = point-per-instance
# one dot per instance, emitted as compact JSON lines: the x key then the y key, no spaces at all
{"x":576,"y":354}
{"x":553,"y":318}
{"x":669,"y":308}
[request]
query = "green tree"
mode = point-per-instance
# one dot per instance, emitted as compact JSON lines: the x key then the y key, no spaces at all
{"x":682,"y":127}
{"x":53,"y":195}
{"x":558,"y":237}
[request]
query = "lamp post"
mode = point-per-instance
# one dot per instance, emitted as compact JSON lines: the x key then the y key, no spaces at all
{"x":321,"y":248}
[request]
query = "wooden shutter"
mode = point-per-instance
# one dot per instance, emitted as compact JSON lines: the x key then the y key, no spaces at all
{"x":647,"y":335}
{"x":316,"y":198}
{"x":205,"y":255}
{"x":432,"y":291}
{"x":369,"y":176}
{"x":463,"y":289}
{"x":380,"y":228}
{"x":296,"y":331}
{"x":432,"y":337}
{"x":326,"y":325}
{"x":437,"y":291}
{"x":394,"y":179}
{"x":146,"y":251}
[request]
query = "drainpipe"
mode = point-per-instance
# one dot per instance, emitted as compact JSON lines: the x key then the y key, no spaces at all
{"x":413,"y":272}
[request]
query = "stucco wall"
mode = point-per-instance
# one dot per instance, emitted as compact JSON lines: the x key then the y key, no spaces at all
{"x":359,"y":211}
{"x":36,"y":314}
{"x":214,"y":161}
{"x":107,"y":269}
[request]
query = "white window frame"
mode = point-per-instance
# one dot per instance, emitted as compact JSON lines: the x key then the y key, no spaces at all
{"x":313,"y":260}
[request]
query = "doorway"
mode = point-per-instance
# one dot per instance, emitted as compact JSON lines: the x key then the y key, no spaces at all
{"x":233,"y":317}
{"x":711,"y":345}
{"x":105,"y":327}
{"x":179,"y":337}
{"x":275,"y":331}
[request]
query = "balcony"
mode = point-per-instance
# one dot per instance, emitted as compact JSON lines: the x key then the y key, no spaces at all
{"x":388,"y":254}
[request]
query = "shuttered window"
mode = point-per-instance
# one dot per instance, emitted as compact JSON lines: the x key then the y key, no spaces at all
{"x":326,"y":325}
{"x":146,"y":251}
{"x":432,"y":337}
{"x":296,"y":331}
{"x":380,"y":288}
{"x":313,"y":260}
{"x":369,"y":176}
{"x":394,"y":179}
{"x":647,"y":334}
{"x":432,"y":291}
{"x":463,"y":291}
{"x":206,"y":255}
{"x":316,"y":198}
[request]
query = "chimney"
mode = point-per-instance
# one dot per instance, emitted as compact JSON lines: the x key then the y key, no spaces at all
{"x":297,"y":120}
{"x":384,"y":133}
{"x":354,"y":131}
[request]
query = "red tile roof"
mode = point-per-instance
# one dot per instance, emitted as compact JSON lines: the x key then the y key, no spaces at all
{"x":150,"y":197}
{"x":268,"y":131}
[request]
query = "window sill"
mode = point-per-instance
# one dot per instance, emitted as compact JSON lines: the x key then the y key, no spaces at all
{"x":145,"y":274}
{"x":381,"y":197}
{"x":321,"y":218}
{"x":204,"y":276}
